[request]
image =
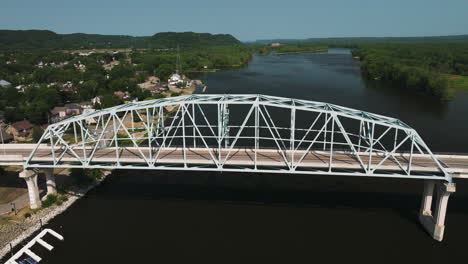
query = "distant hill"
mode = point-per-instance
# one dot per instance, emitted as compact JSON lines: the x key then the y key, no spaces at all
{"x":45,"y":39}
{"x":370,"y":39}
{"x":191,"y":39}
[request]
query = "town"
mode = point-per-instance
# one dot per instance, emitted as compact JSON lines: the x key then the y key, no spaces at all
{"x":62,"y":85}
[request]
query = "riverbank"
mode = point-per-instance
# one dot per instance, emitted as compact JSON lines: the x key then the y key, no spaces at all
{"x":301,"y":52}
{"x":13,"y":234}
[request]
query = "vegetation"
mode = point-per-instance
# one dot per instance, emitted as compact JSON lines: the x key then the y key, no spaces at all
{"x":48,"y":40}
{"x":38,"y":77}
{"x":49,"y":200}
{"x":83,"y":177}
{"x":52,"y":199}
{"x":436,"y":68}
{"x":291,"y":47}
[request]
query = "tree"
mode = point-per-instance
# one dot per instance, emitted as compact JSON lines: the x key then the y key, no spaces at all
{"x":109,"y":100}
{"x":164,"y":71}
{"x":37,"y":133}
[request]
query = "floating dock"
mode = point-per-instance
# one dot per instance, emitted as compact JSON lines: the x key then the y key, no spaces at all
{"x":32,"y":258}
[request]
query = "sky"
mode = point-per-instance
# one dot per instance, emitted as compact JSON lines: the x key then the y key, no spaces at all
{"x":245,"y":19}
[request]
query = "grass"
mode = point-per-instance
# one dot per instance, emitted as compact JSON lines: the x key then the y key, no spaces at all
{"x":458,"y":82}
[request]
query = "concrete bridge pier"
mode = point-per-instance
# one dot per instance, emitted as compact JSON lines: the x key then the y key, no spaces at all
{"x":434,"y":222}
{"x":31,"y":180}
{"x":50,"y":181}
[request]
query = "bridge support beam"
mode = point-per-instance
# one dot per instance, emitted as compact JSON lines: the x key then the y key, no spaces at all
{"x":434,"y":222}
{"x":31,"y":180}
{"x":50,"y":181}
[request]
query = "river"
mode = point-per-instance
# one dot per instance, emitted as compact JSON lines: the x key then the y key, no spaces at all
{"x":208,"y":217}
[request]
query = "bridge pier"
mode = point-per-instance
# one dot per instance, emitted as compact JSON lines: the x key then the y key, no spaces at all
{"x":434,"y":222}
{"x":50,"y":181}
{"x":31,"y":180}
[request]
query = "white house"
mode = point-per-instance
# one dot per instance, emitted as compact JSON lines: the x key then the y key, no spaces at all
{"x":175,"y":79}
{"x":96,"y":100}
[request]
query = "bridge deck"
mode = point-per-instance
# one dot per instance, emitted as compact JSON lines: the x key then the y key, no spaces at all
{"x":242,"y":156}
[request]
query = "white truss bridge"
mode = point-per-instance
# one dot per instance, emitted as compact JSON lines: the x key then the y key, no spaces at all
{"x":255,"y":133}
{"x":247,"y":133}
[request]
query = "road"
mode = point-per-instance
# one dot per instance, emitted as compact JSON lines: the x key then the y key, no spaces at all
{"x":457,"y":164}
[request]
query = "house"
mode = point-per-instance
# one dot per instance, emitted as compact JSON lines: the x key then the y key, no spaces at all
{"x":68,"y":87}
{"x":21,"y":130}
{"x":175,"y":79}
{"x":129,"y":99}
{"x":96,"y":100}
{"x":86,"y":105}
{"x":73,"y":109}
{"x":5,"y":84}
{"x":276,"y":44}
{"x":58,"y":114}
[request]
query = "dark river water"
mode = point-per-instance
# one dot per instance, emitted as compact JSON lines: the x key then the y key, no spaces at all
{"x":208,"y":217}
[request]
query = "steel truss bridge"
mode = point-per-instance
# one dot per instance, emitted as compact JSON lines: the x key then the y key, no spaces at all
{"x":242,"y":133}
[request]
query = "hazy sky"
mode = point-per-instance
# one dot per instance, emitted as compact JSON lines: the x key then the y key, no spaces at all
{"x":245,"y":19}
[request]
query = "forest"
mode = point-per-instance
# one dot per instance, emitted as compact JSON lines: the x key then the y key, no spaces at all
{"x":49,"y":40}
{"x":435,"y":68}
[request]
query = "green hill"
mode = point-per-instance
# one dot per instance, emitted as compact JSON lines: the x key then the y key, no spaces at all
{"x":191,"y":39}
{"x":45,"y":39}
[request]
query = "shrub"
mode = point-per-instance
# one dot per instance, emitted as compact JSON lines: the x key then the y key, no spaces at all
{"x":86,"y":176}
{"x":50,"y":200}
{"x":27,"y":215}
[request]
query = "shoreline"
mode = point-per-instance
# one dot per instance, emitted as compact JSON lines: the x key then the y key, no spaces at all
{"x":300,"y":52}
{"x":45,"y":216}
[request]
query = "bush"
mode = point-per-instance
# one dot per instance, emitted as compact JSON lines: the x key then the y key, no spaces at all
{"x":27,"y":215}
{"x":50,"y":200}
{"x":84,"y":177}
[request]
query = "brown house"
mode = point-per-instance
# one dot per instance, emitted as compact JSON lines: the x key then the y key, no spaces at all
{"x":21,"y":130}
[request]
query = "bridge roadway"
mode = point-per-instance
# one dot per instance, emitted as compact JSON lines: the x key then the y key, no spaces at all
{"x":456,"y":164}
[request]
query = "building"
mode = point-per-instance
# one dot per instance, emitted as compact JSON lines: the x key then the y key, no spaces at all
{"x":69,"y":87}
{"x":73,"y":109}
{"x":96,"y":100}
{"x":86,"y":105}
{"x":129,"y":99}
{"x":21,"y":130}
{"x":58,"y":113}
{"x":175,"y":79}
{"x":5,"y":84}
{"x":276,"y":44}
